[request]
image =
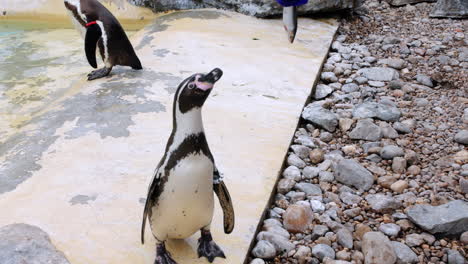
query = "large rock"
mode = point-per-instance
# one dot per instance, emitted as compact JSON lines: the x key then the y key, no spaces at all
{"x":352,"y":173}
{"x":366,"y":130}
{"x":377,"y":110}
{"x":21,"y":243}
{"x":404,"y":253}
{"x":448,"y":219}
{"x":321,"y":117}
{"x":450,"y":8}
{"x":377,"y":249}
{"x":258,"y":8}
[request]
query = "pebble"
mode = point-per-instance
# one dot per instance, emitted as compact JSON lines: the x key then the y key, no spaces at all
{"x":382,"y":203}
{"x":403,"y":253}
{"x":402,"y":128}
{"x":399,"y":165}
{"x":317,"y":206}
{"x":321,"y":117}
{"x":379,"y":74}
{"x":345,"y":238}
{"x":302,"y":252}
{"x":264,"y":250}
{"x":294,"y":160}
{"x":454,"y":257}
{"x":391,"y":151}
{"x":309,"y":189}
{"x":413,"y":240}
{"x":462,"y":137}
{"x":321,"y":251}
{"x":293,"y":173}
{"x":424,"y":80}
{"x":257,"y":261}
{"x":322,"y":91}
{"x":399,"y":186}
{"x":390,"y":229}
{"x":297,"y":218}
{"x":414,"y":170}
{"x":366,"y":130}
{"x":316,"y":156}
{"x":464,"y":238}
{"x":353,"y":174}
{"x":329,"y":77}
{"x":377,"y":248}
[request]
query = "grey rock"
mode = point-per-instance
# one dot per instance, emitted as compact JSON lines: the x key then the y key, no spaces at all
{"x":366,"y":130}
{"x":326,"y":136}
{"x":264,"y":250}
{"x":405,"y":2}
{"x":414,"y":240}
{"x":328,"y":77}
{"x":454,"y":257}
{"x":424,"y":80}
{"x":22,"y":243}
{"x":301,"y":151}
{"x":369,"y":145}
{"x":305,"y":141}
{"x":402,"y":128}
{"x":326,"y":176}
{"x":393,"y":63}
{"x":404,"y":254}
{"x":374,"y":158}
{"x":388,"y":131}
{"x":302,"y":252}
{"x":391,"y":151}
{"x":464,"y":238}
{"x":396,"y":84}
{"x":349,"y":198}
{"x":399,"y":165}
{"x":293,"y":173}
{"x":379,"y":74}
{"x":377,"y":84}
{"x":350,"y":88}
{"x":450,"y":8}
{"x":377,"y":248}
{"x":448,"y":219}
{"x":319,"y":231}
{"x":294,"y":160}
{"x":257,"y":261}
{"x":390,"y":229}
{"x":382,"y":203}
{"x":376,"y":110}
{"x":321,"y":117}
{"x":258,"y":8}
{"x":310,"y":172}
{"x":353,"y":174}
{"x":309,"y":189}
{"x":317,"y":206}
{"x":280,"y":243}
{"x":345,"y":238}
{"x":321,"y":251}
{"x":462,"y":137}
{"x":285,"y":185}
{"x":322,"y":91}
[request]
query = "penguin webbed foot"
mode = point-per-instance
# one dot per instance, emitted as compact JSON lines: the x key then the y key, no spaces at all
{"x":100,"y":73}
{"x":163,"y":256}
{"x":208,"y":248}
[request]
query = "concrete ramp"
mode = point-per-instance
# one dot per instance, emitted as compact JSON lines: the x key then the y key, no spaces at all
{"x":97,"y":143}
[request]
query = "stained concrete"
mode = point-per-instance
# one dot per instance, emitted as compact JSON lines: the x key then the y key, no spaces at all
{"x":76,"y":157}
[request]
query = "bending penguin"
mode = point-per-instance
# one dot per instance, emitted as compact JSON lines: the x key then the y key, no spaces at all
{"x":101,"y":29}
{"x":180,"y":197}
{"x":290,"y":16}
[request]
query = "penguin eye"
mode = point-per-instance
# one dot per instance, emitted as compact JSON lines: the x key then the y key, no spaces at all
{"x":191,"y":86}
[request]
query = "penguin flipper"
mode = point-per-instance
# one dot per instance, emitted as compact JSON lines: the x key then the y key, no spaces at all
{"x":153,"y":191}
{"x":226,"y":203}
{"x":93,"y":34}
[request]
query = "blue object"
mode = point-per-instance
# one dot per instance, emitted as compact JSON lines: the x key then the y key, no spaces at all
{"x":287,"y":3}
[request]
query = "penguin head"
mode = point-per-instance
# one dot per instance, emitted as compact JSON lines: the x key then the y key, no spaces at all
{"x":194,"y":91}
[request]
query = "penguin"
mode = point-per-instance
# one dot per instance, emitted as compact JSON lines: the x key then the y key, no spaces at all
{"x":180,"y":198}
{"x":290,"y":16}
{"x":100,"y":28}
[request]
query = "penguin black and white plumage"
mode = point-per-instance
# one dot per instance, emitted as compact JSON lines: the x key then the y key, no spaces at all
{"x":180,"y":198}
{"x":101,"y":29}
{"x":290,"y":16}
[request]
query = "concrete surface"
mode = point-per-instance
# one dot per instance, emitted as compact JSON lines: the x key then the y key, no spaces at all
{"x":76,"y":157}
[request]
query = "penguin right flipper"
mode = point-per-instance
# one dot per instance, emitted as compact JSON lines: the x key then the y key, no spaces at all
{"x":93,"y":34}
{"x":226,"y":202}
{"x":153,"y":195}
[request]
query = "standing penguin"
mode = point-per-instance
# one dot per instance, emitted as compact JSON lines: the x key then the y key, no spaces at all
{"x":290,"y":16}
{"x":100,"y":28}
{"x":180,"y":197}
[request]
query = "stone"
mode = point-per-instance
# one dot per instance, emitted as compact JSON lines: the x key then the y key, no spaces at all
{"x":319,"y":231}
{"x":353,"y":174}
{"x":393,"y":63}
{"x":377,"y":249}
{"x":454,"y":257}
{"x":450,"y":8}
{"x":366,"y":130}
{"x":390,"y":151}
{"x":22,"y":243}
{"x":321,"y":117}
{"x":464,"y":238}
{"x":293,"y":173}
{"x":321,"y":251}
{"x":264,"y":250}
{"x":280,"y":243}
{"x":414,"y":170}
{"x":257,"y":8}
{"x":424,"y":80}
{"x":310,"y":172}
{"x":390,"y":229}
{"x":350,"y":88}
{"x":328,"y":77}
{"x":414,"y":240}
{"x":399,"y":186}
{"x":257,"y":261}
{"x":404,"y":254}
{"x":406,"y":2}
{"x":326,"y":176}
{"x":302,"y":252}
{"x":297,"y":218}
{"x":464,"y":185}
{"x":345,"y":124}
{"x":326,"y":136}
{"x":361,"y":230}
{"x":382,"y":203}
{"x":317,"y":206}
{"x":462,"y":137}
{"x":447,"y":219}
{"x":305,"y":140}
{"x":343,"y":255}
{"x":316,"y":156}
{"x":402,"y":128}
{"x":322,"y":91}
{"x":309,"y":189}
{"x":377,"y":110}
{"x":345,"y":238}
{"x":349,"y":198}
{"x":301,"y":151}
{"x":379,"y":74}
{"x":399,"y":165}
{"x":285,"y":185}
{"x":386,"y":181}
{"x":294,"y":160}
{"x":388,"y":131}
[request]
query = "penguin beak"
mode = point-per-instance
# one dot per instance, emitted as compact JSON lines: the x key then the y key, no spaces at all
{"x":206,"y":82}
{"x":290,"y":22}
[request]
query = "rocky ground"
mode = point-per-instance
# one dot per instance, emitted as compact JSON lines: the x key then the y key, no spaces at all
{"x":378,"y":169}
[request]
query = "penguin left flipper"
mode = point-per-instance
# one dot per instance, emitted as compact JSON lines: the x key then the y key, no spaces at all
{"x":93,"y":34}
{"x":226,"y":202}
{"x":153,"y":192}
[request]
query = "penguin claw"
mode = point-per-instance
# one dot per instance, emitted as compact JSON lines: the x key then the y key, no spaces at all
{"x":208,"y":248}
{"x":163,"y":257}
{"x":99,"y":73}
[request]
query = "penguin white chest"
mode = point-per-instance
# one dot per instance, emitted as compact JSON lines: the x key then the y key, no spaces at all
{"x":187,"y":201}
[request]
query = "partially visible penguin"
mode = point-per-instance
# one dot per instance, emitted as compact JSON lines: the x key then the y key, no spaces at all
{"x":100,"y":28}
{"x":180,"y":197}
